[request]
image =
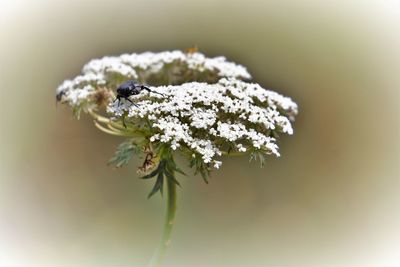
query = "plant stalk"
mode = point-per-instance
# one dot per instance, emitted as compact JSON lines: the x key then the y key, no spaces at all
{"x":158,"y":255}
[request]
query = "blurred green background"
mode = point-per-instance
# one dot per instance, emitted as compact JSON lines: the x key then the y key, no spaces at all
{"x":331,"y":200}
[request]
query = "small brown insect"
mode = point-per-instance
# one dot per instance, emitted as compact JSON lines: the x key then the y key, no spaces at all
{"x":148,"y":163}
{"x":192,"y":50}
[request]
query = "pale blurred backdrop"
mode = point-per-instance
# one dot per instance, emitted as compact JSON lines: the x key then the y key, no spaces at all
{"x":331,"y":200}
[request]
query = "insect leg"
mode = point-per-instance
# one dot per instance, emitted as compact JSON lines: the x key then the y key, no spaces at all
{"x":132,"y":102}
{"x":149,"y":90}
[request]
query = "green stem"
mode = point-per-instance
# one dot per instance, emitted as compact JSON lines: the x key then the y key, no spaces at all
{"x":169,"y":222}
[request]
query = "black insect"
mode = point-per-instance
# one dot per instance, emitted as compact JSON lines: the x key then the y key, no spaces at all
{"x":59,"y":95}
{"x":130,"y":88}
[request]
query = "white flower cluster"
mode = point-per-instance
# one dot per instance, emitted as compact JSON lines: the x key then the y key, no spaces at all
{"x":201,"y":116}
{"x":206,"y":107}
{"x":172,"y":66}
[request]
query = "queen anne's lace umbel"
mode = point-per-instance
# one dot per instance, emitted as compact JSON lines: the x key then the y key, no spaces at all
{"x":206,"y":108}
{"x":173,"y":67}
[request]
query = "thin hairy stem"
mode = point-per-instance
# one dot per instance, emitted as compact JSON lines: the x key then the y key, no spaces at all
{"x":168,"y":224}
{"x":110,"y":131}
{"x":114,"y":128}
{"x":105,"y":120}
